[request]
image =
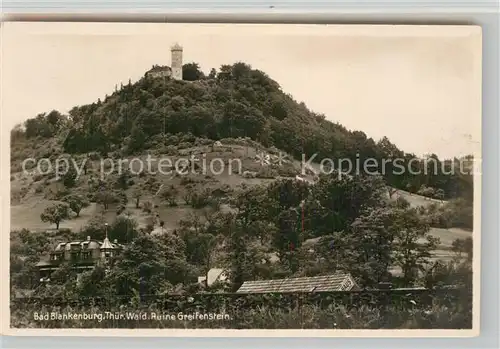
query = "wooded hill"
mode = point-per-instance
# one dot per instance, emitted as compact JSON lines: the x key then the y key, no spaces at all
{"x":234,"y":101}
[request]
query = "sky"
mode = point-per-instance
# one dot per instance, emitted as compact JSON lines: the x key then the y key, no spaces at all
{"x":418,"y":85}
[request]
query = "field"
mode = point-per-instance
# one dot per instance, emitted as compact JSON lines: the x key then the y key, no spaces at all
{"x":26,"y":210}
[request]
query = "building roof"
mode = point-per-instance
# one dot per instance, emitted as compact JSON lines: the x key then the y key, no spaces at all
{"x":176,"y":46}
{"x":107,"y":245}
{"x":87,"y":244}
{"x":326,"y":283}
{"x":79,"y":245}
{"x":159,"y":68}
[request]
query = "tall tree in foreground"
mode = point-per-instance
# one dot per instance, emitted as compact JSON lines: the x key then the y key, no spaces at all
{"x":343,"y":198}
{"x":371,"y":239}
{"x":413,"y":244}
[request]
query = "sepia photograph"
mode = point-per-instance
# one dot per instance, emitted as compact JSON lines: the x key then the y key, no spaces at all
{"x":241,"y":176}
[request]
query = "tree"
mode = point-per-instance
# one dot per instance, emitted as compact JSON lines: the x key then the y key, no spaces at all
{"x":412,"y":243}
{"x":401,"y":202}
{"x":17,"y":133}
{"x":93,"y":283}
{"x":95,"y":228}
{"x":55,"y":119}
{"x":124,"y":229}
{"x":242,"y":233}
{"x":409,"y":188}
{"x":170,"y":194}
{"x":341,"y":199}
{"x":370,"y":239}
{"x":460,"y":246}
{"x":192,"y":72}
{"x":242,"y":255}
{"x":451,"y":273}
{"x":87,"y":165}
{"x":106,"y":198}
{"x":425,"y":191}
{"x":40,"y":127}
{"x":213,"y":73}
{"x":137,"y":138}
{"x":147,"y":206}
{"x":136,"y":194}
{"x":69,"y":178}
{"x":150,"y":265}
{"x":288,"y":237}
{"x":123,"y":179}
{"x":55,"y":214}
{"x":200,"y":248}
{"x":439,"y":194}
{"x":76,"y":203}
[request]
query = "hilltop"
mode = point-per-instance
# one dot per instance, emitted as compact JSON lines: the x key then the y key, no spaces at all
{"x":234,"y":102}
{"x":235,"y":113}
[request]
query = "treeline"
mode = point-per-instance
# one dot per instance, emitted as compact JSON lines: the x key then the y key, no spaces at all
{"x":357,"y":229}
{"x":233,"y":101}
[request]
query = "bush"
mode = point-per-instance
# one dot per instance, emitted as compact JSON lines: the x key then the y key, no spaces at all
{"x":200,"y":199}
{"x":287,"y":171}
{"x":37,"y":177}
{"x":456,"y":213}
{"x":272,"y":311}
{"x":147,"y":206}
{"x":267,"y":173}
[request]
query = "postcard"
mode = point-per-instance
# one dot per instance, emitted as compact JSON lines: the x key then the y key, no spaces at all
{"x":241,"y":179}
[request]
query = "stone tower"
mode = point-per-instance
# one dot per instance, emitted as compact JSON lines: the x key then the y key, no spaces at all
{"x":176,"y":61}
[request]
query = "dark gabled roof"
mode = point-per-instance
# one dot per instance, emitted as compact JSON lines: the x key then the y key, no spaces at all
{"x":158,"y":68}
{"x":336,"y":282}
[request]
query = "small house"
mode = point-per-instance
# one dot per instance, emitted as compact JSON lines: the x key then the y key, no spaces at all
{"x":81,"y":255}
{"x":214,"y":275}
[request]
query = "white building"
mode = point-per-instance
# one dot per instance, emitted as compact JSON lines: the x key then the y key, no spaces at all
{"x":214,"y":275}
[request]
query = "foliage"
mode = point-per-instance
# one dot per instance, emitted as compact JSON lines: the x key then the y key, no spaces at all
{"x":446,"y":309}
{"x":44,"y":125}
{"x":95,"y":228}
{"x":149,"y":265}
{"x":70,"y":176}
{"x":339,"y":199}
{"x":56,"y":213}
{"x":235,"y":101}
{"x":426,"y":191}
{"x":460,"y":246}
{"x":124,"y":229}
{"x":107,"y":197}
{"x":456,"y":273}
{"x":454,"y":213}
{"x":192,"y":72}
{"x":411,"y":254}
{"x":170,"y":195}
{"x":76,"y":203}
{"x":266,"y":231}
